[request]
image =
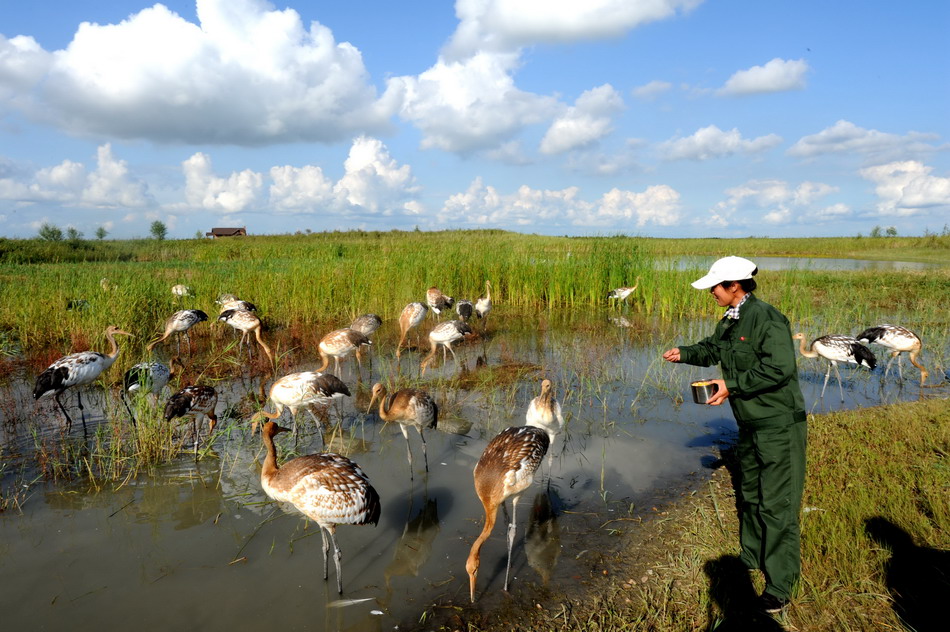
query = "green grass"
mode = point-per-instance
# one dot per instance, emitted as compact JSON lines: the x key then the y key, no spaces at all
{"x":888,"y":465}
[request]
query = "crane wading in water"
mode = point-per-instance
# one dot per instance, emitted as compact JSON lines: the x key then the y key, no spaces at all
{"x":407,"y":407}
{"x":836,"y":348}
{"x":327,"y":488}
{"x":899,"y":340}
{"x":77,"y":369}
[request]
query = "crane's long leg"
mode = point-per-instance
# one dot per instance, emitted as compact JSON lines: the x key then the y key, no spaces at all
{"x":900,"y":367}
{"x":338,"y":559}
{"x":82,"y":411}
{"x":454,"y":357}
{"x":405,"y":433}
{"x":326,"y":550}
{"x":827,"y":375}
{"x":840,"y":387}
{"x":69,"y":420}
{"x":425,"y":457}
{"x":128,"y":408}
{"x":194,"y":432}
{"x":323,"y":442}
{"x":512,"y":528}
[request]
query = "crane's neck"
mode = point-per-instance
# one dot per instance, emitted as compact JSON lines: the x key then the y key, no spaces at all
{"x":269,"y":469}
{"x":474,"y":556}
{"x":115,"y":346}
{"x":808,"y":353}
{"x":487,"y":290}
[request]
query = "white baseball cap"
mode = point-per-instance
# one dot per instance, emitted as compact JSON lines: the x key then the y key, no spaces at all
{"x":726,"y":269}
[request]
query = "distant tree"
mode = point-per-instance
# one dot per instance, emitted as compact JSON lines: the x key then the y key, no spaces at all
{"x":50,"y":232}
{"x":158,"y":230}
{"x":891,"y":231}
{"x":199,"y":234}
{"x":876,"y":231}
{"x":101,"y":233}
{"x":73,"y":236}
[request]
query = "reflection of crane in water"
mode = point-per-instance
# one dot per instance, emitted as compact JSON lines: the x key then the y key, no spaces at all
{"x":407,"y":407}
{"x":542,"y":542}
{"x":77,"y":369}
{"x":415,"y":545}
{"x":327,"y":488}
{"x":898,"y":340}
{"x":836,"y":348}
{"x":505,"y":470}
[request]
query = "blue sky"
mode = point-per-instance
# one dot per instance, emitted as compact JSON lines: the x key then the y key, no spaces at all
{"x":663,"y":118}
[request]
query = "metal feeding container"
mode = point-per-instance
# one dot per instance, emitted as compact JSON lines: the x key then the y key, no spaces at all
{"x":703,"y":391}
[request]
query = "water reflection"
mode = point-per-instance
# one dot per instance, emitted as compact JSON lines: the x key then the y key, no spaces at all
{"x":414,"y":547}
{"x":542,"y":542}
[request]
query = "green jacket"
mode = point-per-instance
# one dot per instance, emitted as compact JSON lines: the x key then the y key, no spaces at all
{"x":757,"y":358}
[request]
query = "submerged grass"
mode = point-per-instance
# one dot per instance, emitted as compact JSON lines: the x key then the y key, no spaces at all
{"x":875,"y":541}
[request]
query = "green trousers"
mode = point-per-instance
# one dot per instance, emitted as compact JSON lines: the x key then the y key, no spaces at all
{"x":772,"y":470}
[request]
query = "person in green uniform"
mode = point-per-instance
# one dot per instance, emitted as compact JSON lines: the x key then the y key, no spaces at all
{"x":753,"y":346}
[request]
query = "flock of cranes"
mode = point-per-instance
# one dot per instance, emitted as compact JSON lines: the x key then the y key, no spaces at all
{"x":332,"y":490}
{"x":329,"y":488}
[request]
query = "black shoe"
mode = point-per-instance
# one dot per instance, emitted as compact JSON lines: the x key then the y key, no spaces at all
{"x":768,"y":602}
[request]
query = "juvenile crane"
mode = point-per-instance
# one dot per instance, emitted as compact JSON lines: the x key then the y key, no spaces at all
{"x":505,"y":470}
{"x":407,"y":407}
{"x":339,"y":344}
{"x":898,"y":340}
{"x":836,"y":348}
{"x":438,"y":301}
{"x":182,"y":291}
{"x":179,"y":323}
{"x":465,"y":309}
{"x":445,"y":334}
{"x":147,"y":377}
{"x":412,"y":314}
{"x":302,"y":390}
{"x":621,"y":293}
{"x":196,"y":402}
{"x":483,"y":305}
{"x":246,"y":322}
{"x":367,"y":324}
{"x":544,"y":411}
{"x":327,"y":488}
{"x":77,"y":369}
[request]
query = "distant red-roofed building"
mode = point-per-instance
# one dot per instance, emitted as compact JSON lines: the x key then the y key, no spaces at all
{"x":227,"y":232}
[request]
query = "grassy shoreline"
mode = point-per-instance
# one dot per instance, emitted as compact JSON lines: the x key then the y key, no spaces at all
{"x":878,"y":478}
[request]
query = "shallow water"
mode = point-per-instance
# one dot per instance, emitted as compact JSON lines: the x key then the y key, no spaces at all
{"x":200,"y":545}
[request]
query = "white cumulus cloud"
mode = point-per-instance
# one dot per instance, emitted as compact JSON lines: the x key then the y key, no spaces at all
{"x":651,"y":90}
{"x":844,"y":137}
{"x":483,"y":205}
{"x":246,"y":74}
{"x":503,"y":25}
{"x":712,"y":142}
{"x":778,"y":75}
{"x":470,"y":105}
{"x":583,"y":124}
{"x":205,"y":190}
{"x":776,"y":202}
{"x":907,"y":188}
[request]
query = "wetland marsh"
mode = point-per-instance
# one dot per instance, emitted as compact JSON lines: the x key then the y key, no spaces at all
{"x":98,"y":533}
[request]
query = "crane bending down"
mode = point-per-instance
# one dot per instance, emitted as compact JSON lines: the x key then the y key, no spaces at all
{"x":179,"y":323}
{"x":412,"y":314}
{"x":340,"y":343}
{"x":367,"y":324}
{"x":246,"y":322}
{"x":301,"y":390}
{"x":505,"y":470}
{"x":465,"y":309}
{"x":438,"y":301}
{"x":621,"y":293}
{"x":147,"y":377}
{"x":445,"y":334}
{"x":77,"y":369}
{"x":898,"y":340}
{"x":196,"y":402}
{"x":327,"y":488}
{"x":407,"y":407}
{"x":483,"y":305}
{"x":836,"y":348}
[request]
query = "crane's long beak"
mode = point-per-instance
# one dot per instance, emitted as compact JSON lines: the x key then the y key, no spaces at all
{"x":471,"y":584}
{"x":370,"y":407}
